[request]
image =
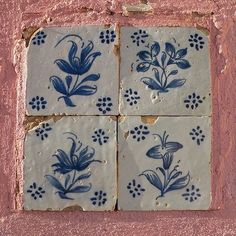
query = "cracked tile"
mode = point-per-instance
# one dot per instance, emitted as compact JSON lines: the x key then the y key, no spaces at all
{"x":164,"y":71}
{"x":67,"y":71}
{"x":164,"y":164}
{"x":71,"y":164}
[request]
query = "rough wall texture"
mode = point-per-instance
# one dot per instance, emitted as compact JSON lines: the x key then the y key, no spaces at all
{"x":218,"y":16}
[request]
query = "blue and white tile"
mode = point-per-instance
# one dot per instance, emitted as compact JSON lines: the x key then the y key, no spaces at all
{"x":71,"y":162}
{"x":164,"y":71}
{"x":73,"y":70}
{"x":164,"y":163}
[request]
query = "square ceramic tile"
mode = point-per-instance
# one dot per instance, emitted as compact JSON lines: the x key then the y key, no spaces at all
{"x":71,"y":163}
{"x":164,"y":71}
{"x":73,"y":71}
{"x":164,"y":163}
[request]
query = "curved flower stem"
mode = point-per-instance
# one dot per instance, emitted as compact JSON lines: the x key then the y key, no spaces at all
{"x":166,"y":181}
{"x":75,"y":85}
{"x":165,"y":76}
{"x":73,"y":181}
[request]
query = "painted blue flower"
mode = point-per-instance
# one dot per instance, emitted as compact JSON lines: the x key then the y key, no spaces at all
{"x":135,"y":189}
{"x":191,"y":194}
{"x":76,"y":66}
{"x":139,"y":132}
{"x":77,"y":160}
{"x":193,"y":100}
{"x":131,"y":97}
{"x":196,"y":41}
{"x":160,"y":150}
{"x":163,"y":69}
{"x":99,"y":198}
{"x":39,"y":38}
{"x":164,"y":178}
{"x":197,"y":135}
{"x":35,"y":191}
{"x":100,"y":137}
{"x":42,"y":131}
{"x":139,"y":37}
{"x":107,"y":36}
{"x":38,"y":103}
{"x":104,"y":104}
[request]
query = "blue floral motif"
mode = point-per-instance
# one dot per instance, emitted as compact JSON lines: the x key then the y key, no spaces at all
{"x":35,"y":191}
{"x":191,"y":194}
{"x":197,"y":135}
{"x":39,"y":38}
{"x":164,"y":178}
{"x":196,"y":41}
{"x":77,"y":160}
{"x":76,"y":66}
{"x":139,"y":132}
{"x":193,"y":100}
{"x":38,"y":103}
{"x":42,"y":131}
{"x":104,"y":104}
{"x":131,"y":97}
{"x":163,"y":69}
{"x":99,"y":198}
{"x":100,"y":137}
{"x":107,"y":36}
{"x":139,"y":37}
{"x":135,"y":189}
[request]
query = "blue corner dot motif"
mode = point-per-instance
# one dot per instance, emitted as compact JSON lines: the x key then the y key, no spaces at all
{"x":39,"y":38}
{"x":193,"y":100}
{"x":104,"y":104}
{"x":99,"y":198}
{"x":107,"y":36}
{"x":138,"y":37}
{"x":197,"y":135}
{"x":139,"y":132}
{"x":135,"y":189}
{"x":35,"y":191}
{"x":192,"y":194}
{"x":196,"y":41}
{"x":42,"y":131}
{"x":38,"y":103}
{"x":131,"y":97}
{"x":100,"y":137}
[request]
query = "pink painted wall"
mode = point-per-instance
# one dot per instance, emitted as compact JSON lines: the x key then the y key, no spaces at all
{"x":219,"y":17}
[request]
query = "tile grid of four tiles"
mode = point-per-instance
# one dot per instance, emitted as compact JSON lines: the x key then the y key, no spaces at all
{"x":163,"y":72}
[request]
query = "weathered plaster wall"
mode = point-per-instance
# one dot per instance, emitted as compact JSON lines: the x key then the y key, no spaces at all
{"x":218,"y":16}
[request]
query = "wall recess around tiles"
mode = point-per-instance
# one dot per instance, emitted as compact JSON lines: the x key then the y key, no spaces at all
{"x":126,"y":129}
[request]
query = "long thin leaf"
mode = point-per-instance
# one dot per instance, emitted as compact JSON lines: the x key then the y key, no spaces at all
{"x":55,"y":183}
{"x":58,"y":84}
{"x":80,"y":189}
{"x":84,"y":176}
{"x":153,"y":178}
{"x":85,"y":90}
{"x":151,"y":83}
{"x":176,"y":83}
{"x":92,"y":77}
{"x":179,"y":183}
{"x":67,"y":101}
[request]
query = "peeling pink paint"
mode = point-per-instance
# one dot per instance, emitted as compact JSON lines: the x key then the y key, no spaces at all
{"x":218,"y":16}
